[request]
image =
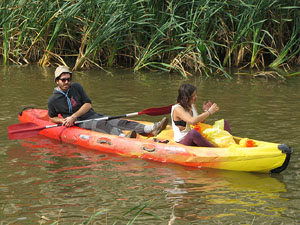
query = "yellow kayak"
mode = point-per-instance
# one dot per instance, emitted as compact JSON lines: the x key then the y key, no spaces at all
{"x":263,"y":157}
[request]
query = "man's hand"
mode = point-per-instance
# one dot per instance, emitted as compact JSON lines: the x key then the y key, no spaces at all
{"x":69,"y":121}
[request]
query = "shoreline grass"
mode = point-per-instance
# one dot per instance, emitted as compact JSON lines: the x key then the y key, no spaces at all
{"x":194,"y":36}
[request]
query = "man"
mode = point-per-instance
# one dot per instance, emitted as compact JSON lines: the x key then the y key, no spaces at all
{"x":71,"y":101}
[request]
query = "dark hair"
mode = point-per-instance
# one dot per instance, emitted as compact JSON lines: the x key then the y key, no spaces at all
{"x":185,"y":93}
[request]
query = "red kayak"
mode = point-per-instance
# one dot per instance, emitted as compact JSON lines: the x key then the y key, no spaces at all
{"x":265,"y":157}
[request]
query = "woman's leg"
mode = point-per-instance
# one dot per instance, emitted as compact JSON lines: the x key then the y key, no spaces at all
{"x":195,"y":138}
{"x":226,"y":126}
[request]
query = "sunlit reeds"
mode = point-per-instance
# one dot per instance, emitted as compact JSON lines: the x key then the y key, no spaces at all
{"x":188,"y":36}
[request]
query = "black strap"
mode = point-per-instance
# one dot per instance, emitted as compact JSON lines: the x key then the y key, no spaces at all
{"x":180,"y":123}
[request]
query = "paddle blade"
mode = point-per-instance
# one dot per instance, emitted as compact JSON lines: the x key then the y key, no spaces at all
{"x":23,"y":130}
{"x":157,"y":111}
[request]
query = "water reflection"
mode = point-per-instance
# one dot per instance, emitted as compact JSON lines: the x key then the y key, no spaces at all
{"x":242,"y":193}
{"x":61,"y":176}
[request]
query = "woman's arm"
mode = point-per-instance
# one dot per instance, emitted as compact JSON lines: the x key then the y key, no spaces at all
{"x":180,"y":114}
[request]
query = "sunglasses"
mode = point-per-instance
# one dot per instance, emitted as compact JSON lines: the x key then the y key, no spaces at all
{"x":65,"y":79}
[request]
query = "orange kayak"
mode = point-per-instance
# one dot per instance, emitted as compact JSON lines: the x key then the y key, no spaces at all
{"x":265,"y":157}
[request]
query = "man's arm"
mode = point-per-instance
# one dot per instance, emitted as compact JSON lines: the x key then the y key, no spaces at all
{"x":83,"y":110}
{"x":56,"y":119}
{"x":69,"y":121}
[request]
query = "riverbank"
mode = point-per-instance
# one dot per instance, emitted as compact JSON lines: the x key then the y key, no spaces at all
{"x":205,"y":37}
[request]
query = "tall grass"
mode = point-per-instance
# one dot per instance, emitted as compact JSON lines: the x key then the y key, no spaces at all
{"x":188,"y":36}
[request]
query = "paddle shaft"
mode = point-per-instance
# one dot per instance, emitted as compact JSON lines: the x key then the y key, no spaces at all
{"x":150,"y":112}
{"x":106,"y":118}
{"x":29,"y":129}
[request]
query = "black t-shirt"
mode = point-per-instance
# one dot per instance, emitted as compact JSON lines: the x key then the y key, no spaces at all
{"x":58,"y":104}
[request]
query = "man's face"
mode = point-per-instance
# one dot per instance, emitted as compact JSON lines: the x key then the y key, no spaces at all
{"x":64,"y":81}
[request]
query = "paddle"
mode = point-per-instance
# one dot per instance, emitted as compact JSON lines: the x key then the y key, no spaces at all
{"x":29,"y":129}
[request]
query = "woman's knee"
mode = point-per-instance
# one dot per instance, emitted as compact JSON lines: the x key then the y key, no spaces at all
{"x":194,"y":133}
{"x":226,"y":126}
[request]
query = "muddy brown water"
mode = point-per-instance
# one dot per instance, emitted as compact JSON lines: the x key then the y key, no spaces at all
{"x":44,"y":181}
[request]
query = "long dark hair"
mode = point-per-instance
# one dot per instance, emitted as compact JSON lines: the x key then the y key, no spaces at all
{"x":185,"y":93}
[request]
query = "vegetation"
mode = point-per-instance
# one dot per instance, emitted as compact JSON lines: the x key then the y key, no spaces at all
{"x":135,"y":211}
{"x":199,"y":36}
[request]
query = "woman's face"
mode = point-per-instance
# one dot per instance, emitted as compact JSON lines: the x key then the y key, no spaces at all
{"x":193,"y":97}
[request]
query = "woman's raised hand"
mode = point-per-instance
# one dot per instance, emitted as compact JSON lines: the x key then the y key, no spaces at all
{"x":214,"y":108}
{"x":206,"y":105}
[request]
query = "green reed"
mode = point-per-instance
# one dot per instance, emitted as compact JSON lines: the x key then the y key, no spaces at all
{"x":187,"y":36}
{"x":132,"y":215}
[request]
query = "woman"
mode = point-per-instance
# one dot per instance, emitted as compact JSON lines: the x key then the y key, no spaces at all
{"x":184,"y":114}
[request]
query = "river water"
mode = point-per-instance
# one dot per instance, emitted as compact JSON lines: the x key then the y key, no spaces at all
{"x":44,"y":181}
